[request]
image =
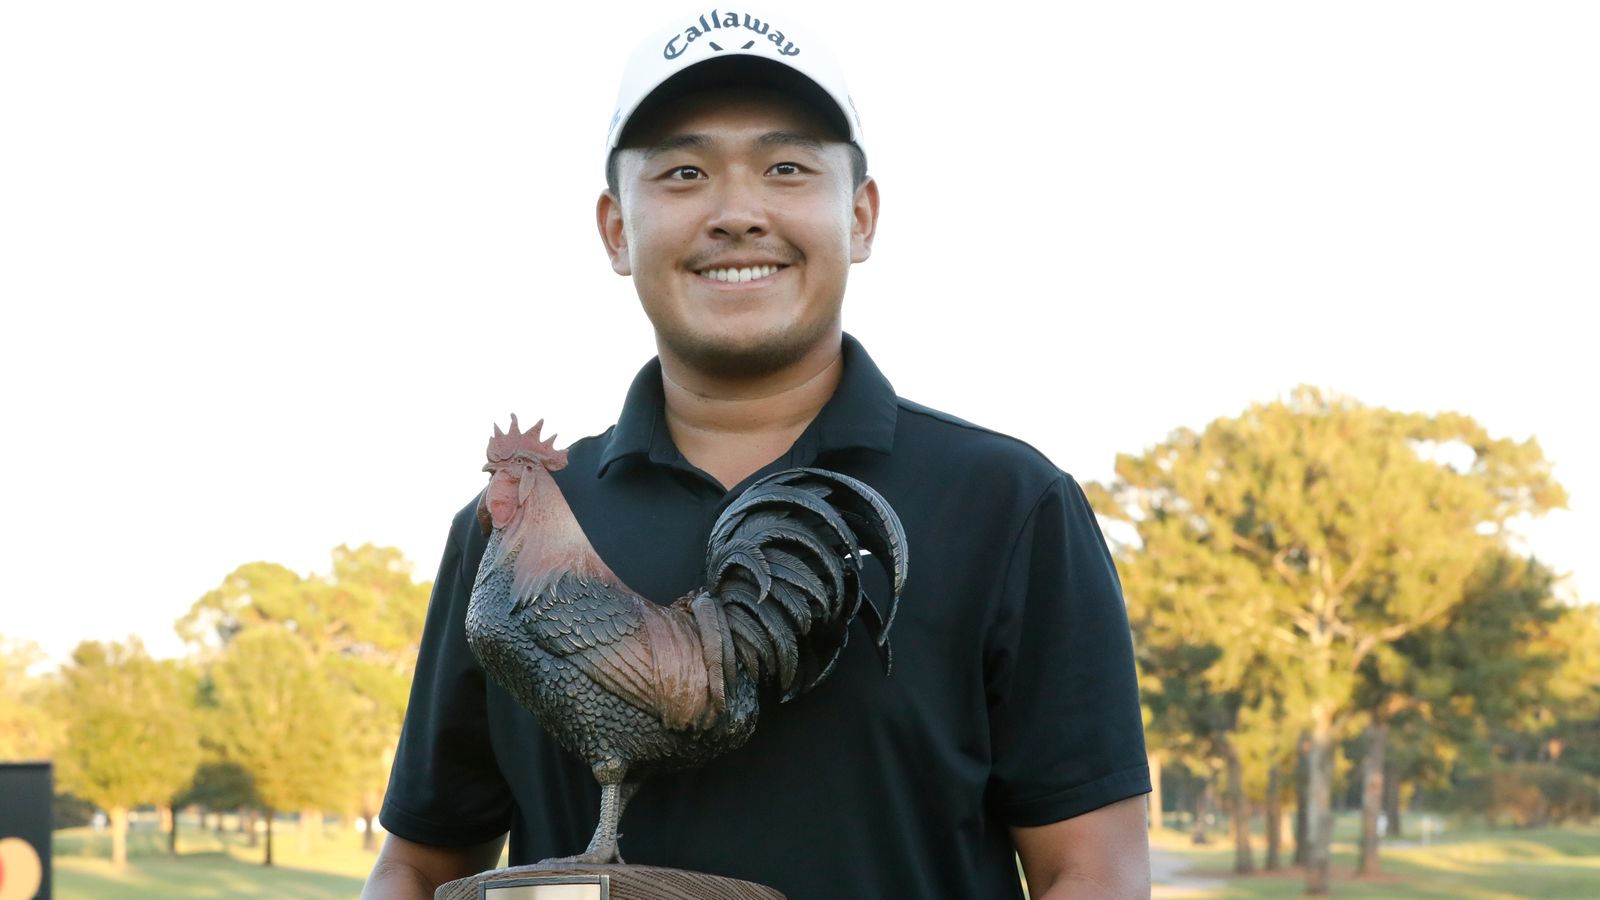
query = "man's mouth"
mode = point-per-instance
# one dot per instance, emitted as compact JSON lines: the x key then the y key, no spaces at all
{"x":740,"y":274}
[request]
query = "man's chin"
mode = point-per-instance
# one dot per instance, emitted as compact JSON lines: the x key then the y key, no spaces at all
{"x":742,"y":358}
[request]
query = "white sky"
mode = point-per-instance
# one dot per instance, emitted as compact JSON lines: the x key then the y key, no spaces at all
{"x":269,"y":271}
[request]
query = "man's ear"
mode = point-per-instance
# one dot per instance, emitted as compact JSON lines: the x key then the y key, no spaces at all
{"x":613,"y":233}
{"x":864,"y":220}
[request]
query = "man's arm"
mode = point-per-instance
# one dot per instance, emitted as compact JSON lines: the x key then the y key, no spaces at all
{"x":411,"y":871}
{"x":1101,"y":854}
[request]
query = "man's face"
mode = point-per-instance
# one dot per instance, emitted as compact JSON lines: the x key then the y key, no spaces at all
{"x":738,"y":221}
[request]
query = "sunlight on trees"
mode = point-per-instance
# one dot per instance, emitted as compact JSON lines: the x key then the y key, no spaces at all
{"x":1280,"y":557}
{"x":131,"y":737}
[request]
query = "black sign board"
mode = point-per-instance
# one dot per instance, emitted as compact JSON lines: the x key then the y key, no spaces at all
{"x":25,"y":795}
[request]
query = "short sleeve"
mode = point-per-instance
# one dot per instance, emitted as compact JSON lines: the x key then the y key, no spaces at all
{"x":1066,"y":730}
{"x":445,"y":788}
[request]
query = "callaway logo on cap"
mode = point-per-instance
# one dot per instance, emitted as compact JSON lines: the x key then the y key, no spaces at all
{"x":754,"y":38}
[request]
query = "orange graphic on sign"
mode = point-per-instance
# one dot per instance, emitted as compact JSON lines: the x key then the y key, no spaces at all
{"x":20,"y":871}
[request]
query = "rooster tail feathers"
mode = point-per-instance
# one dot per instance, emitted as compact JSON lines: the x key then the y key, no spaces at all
{"x":784,"y":559}
{"x":746,"y":557}
{"x":881,"y":534}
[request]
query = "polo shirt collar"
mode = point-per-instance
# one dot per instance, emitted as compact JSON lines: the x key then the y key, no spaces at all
{"x":860,"y":414}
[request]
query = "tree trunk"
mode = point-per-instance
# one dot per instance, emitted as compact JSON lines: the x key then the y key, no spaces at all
{"x":252,"y":839}
{"x":1302,"y":781}
{"x":1244,"y":861}
{"x":1202,"y":810}
{"x":1319,"y":803}
{"x":310,"y":829}
{"x":1181,"y":788}
{"x":270,"y":814}
{"x":1391,"y":802}
{"x":1372,"y":796}
{"x":1274,"y":820}
{"x":1154,"y":822}
{"x":119,"y":837}
{"x":171,"y":818}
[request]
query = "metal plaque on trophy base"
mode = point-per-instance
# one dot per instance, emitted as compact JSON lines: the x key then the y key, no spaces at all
{"x":559,"y":881}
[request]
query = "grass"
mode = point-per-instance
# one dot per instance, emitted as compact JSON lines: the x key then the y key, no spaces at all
{"x":202,"y":875}
{"x":209,"y":865}
{"x":1473,"y":863}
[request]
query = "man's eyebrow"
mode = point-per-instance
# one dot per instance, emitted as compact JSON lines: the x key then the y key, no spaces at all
{"x":675,"y":142}
{"x":701,"y":141}
{"x":789,"y":139}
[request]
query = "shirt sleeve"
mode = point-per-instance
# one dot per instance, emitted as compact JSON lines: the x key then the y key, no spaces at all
{"x":445,"y":787}
{"x":1066,"y":729}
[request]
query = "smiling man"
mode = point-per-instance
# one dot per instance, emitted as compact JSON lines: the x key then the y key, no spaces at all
{"x":737,"y":199}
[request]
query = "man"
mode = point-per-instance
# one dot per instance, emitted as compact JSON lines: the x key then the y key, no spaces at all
{"x":737,"y":200}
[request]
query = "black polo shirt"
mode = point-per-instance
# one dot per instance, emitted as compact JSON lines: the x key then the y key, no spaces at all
{"x":1012,"y":701}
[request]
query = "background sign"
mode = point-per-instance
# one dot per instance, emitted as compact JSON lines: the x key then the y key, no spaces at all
{"x":25,"y":796}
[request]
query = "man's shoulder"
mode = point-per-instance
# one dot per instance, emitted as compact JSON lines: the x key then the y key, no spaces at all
{"x":958,"y":441}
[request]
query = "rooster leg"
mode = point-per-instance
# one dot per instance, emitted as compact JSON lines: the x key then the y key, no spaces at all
{"x":614,"y":794}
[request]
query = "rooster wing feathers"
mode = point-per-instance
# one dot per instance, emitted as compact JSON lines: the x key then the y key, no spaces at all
{"x":639,"y":652}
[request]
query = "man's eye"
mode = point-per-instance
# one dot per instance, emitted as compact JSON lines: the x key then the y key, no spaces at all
{"x":685,"y":173}
{"x":785,"y":169}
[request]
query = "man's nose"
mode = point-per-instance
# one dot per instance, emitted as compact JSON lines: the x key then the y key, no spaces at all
{"x":740,"y":211}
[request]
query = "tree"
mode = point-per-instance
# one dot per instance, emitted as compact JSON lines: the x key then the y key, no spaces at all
{"x":1311,"y":532}
{"x":378,"y":582}
{"x":281,"y":721}
{"x":367,"y":607}
{"x":27,"y":730}
{"x":217,"y":786}
{"x":1457,"y":679}
{"x":361,"y":625}
{"x":130,"y":732}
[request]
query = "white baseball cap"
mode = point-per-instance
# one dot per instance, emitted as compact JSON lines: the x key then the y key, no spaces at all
{"x":728,"y":47}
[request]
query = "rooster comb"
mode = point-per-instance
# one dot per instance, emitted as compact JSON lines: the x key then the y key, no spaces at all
{"x":505,"y":445}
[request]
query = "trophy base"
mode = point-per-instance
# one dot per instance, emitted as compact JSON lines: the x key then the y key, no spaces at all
{"x":563,"y":881}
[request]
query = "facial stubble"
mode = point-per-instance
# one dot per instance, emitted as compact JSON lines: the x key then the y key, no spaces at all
{"x":766,"y":355}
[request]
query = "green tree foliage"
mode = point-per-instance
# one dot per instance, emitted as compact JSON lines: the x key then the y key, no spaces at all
{"x":368,"y":607}
{"x":130,"y":731}
{"x":360,"y":626}
{"x":1498,"y":697}
{"x":27,"y":730}
{"x":277,"y":717}
{"x":1525,"y":794}
{"x":1490,"y":667}
{"x":1303,"y":537}
{"x":218,"y":787}
{"x":1574,"y":736}
{"x":1457,"y":680}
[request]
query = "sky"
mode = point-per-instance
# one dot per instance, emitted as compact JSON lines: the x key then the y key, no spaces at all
{"x":270,"y":272}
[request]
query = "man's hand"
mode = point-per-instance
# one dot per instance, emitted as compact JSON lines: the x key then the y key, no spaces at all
{"x":1103,"y":854}
{"x":408,"y":870}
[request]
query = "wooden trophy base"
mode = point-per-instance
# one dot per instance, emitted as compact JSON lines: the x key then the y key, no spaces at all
{"x":562,"y":881}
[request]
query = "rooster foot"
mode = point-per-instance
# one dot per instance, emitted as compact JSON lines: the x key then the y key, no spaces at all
{"x":592,"y":858}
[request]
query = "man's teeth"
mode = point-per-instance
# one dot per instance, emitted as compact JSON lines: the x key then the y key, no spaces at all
{"x":749,"y":273}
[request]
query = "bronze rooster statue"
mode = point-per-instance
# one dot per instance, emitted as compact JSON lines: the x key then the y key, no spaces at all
{"x":633,"y":687}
